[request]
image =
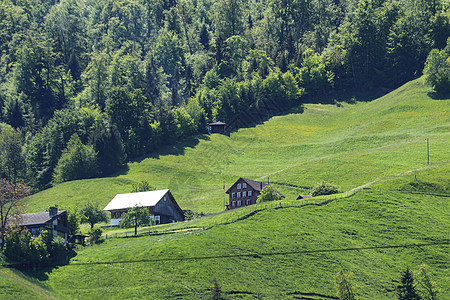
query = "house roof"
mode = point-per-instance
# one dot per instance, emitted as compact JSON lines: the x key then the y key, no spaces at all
{"x":217,"y":123}
{"x":256,"y":185}
{"x":38,"y":218}
{"x":145,"y":199}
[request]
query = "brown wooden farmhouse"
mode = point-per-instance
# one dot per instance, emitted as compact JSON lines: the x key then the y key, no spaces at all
{"x":53,"y":220}
{"x":244,"y":192}
{"x":161,"y":206}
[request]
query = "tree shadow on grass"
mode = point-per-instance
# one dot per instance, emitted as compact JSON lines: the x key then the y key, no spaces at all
{"x":177,"y":148}
{"x":258,"y":114}
{"x":41,"y":271}
{"x":438,"y":96}
{"x":350,"y":96}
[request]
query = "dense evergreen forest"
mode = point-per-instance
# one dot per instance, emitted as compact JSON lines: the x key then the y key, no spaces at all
{"x":86,"y":85}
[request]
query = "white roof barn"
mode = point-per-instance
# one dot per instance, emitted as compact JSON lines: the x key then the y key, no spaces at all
{"x":161,"y":206}
{"x":150,"y":198}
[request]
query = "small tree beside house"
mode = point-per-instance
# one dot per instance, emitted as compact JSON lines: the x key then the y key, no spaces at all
{"x":267,"y":194}
{"x":11,"y":201}
{"x":92,"y":214}
{"x":135,"y":217}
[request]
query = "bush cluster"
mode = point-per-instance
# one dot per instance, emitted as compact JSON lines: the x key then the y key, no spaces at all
{"x":22,"y":247}
{"x":324,"y":188}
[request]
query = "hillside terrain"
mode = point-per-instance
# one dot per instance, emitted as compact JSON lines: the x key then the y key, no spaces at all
{"x":348,"y":145}
{"x":284,"y":252}
{"x":116,"y":80}
{"x":287,"y":253}
{"x":98,"y":96}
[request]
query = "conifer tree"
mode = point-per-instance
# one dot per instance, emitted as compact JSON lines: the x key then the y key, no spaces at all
{"x":407,"y":288}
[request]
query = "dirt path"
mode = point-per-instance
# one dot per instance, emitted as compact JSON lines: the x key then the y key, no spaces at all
{"x":395,"y":175}
{"x":333,"y":156}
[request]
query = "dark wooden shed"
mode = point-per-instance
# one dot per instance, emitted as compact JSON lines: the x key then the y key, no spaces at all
{"x":218,"y":127}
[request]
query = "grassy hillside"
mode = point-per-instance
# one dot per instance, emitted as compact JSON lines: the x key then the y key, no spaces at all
{"x":15,"y":285}
{"x":380,"y":142}
{"x":369,"y":218}
{"x":348,"y":145}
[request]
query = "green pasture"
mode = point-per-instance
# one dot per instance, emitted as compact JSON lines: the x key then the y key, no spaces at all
{"x":367,"y":219}
{"x":348,"y":145}
{"x":379,"y":146}
{"x":15,"y":285}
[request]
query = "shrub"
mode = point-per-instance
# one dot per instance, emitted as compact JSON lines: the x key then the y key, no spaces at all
{"x":95,"y":236}
{"x":324,"y":188}
{"x":437,"y":69}
{"x":352,"y":100}
{"x":77,"y":161}
{"x":21,"y":247}
{"x":268,"y":193}
{"x":141,"y":186}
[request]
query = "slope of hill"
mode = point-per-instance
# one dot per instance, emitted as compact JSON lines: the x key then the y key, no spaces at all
{"x":348,"y":145}
{"x":15,"y":285}
{"x":183,"y":265}
{"x":282,"y":253}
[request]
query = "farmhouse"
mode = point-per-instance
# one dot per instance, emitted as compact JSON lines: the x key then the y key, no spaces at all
{"x":161,"y":206}
{"x":54,"y":220}
{"x":218,"y":127}
{"x":244,"y":192}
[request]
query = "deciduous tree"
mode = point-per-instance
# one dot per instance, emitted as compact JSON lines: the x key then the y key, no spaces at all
{"x":92,"y":214}
{"x":11,"y":154}
{"x":228,"y":18}
{"x":11,"y":203}
{"x":427,"y":287}
{"x":437,"y":69}
{"x":77,"y":161}
{"x":268,"y":193}
{"x":141,"y":186}
{"x":135,"y":217}
{"x":74,"y":219}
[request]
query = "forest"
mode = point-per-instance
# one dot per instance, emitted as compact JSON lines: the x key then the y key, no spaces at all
{"x":87,"y":85}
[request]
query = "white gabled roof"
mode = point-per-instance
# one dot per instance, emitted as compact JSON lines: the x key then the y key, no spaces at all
{"x":122,"y":201}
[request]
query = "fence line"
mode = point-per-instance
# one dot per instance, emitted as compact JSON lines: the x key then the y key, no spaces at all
{"x":231,"y":216}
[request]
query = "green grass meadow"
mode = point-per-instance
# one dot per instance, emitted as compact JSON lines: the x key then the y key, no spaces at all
{"x":283,"y":252}
{"x":348,"y":146}
{"x":367,"y":219}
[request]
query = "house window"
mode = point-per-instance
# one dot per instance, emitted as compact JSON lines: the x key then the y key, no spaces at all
{"x":239,"y":203}
{"x":249,"y":193}
{"x":244,"y":194}
{"x":234,"y":203}
{"x":239,"y":194}
{"x":244,"y":185}
{"x":249,"y":202}
{"x":233,"y":195}
{"x":239,"y":186}
{"x":157,"y":220}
